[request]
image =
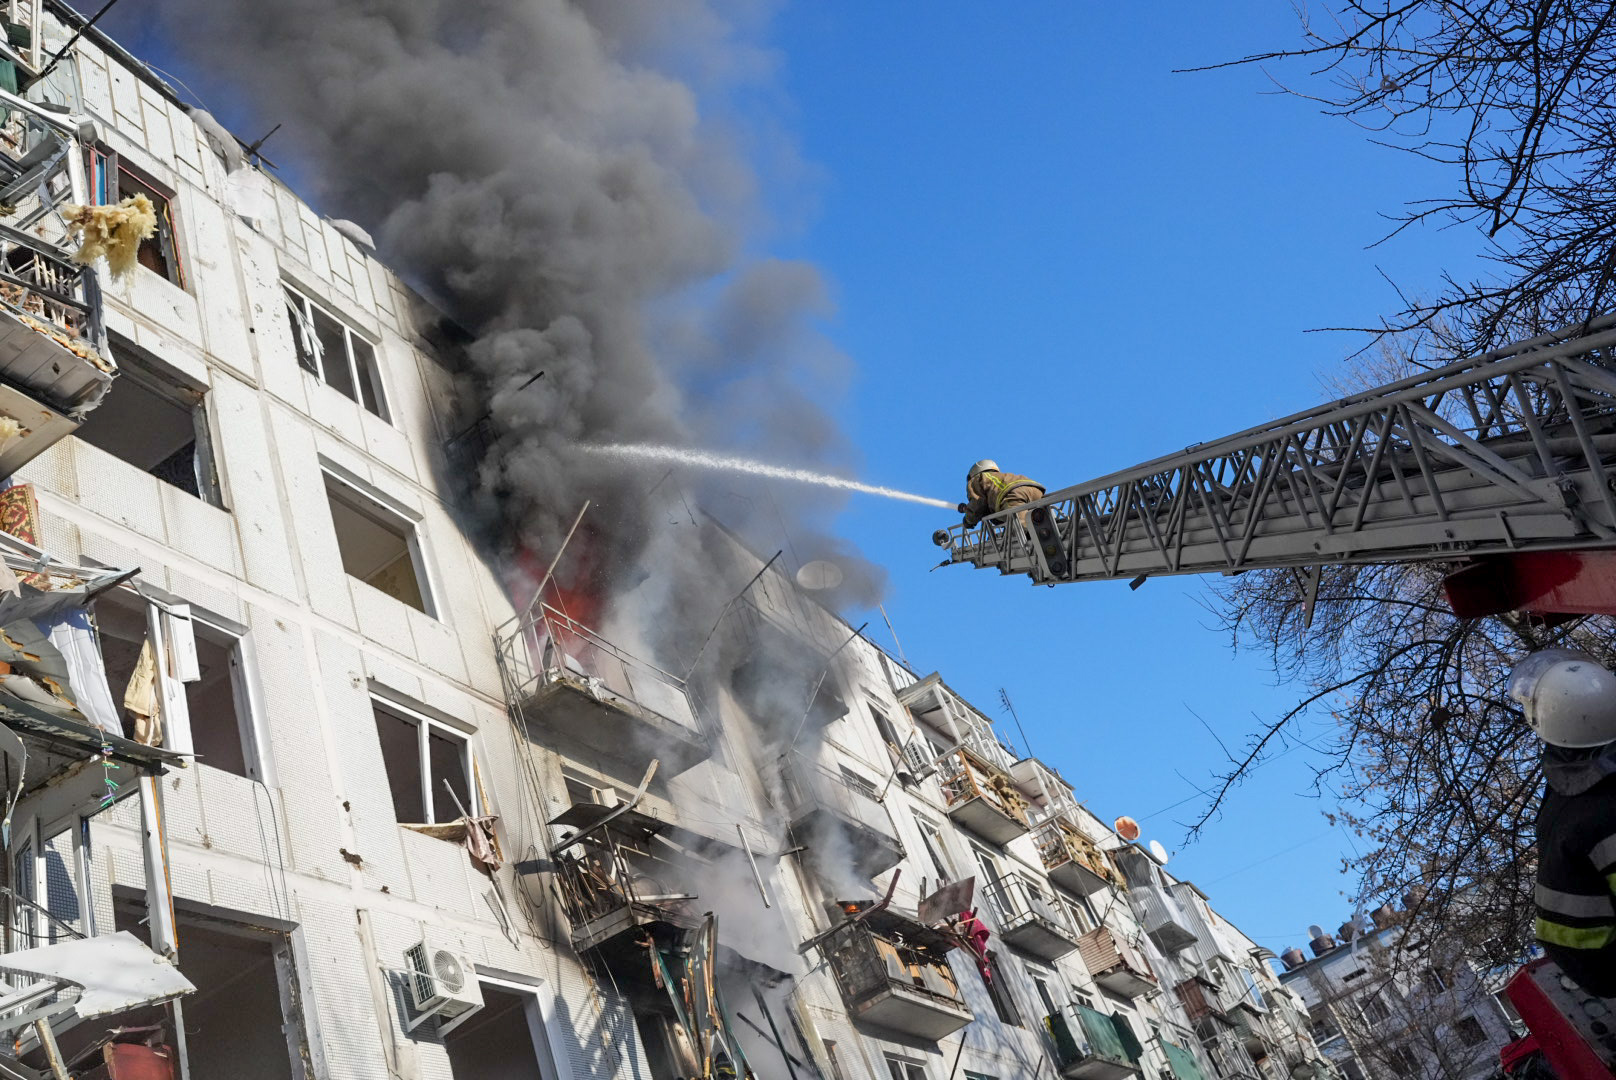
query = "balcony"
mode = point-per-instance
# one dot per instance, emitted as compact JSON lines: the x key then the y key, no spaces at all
{"x":785,"y":683}
{"x":1026,"y":919}
{"x":617,"y":895}
{"x":1074,"y":862}
{"x":1115,"y":963}
{"x":570,"y":683}
{"x":893,"y":973}
{"x":981,"y":797}
{"x":1156,"y":908}
{"x":838,"y":811}
{"x":1092,"y":1045}
{"x":54,"y":364}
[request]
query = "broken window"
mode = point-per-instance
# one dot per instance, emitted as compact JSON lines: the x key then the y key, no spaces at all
{"x":505,"y":1040}
{"x":245,"y":1020}
{"x":932,"y":838}
{"x":155,"y":423}
{"x":335,"y":353}
{"x":426,"y":760}
{"x":218,"y":720}
{"x":378,"y":545}
{"x":111,"y":181}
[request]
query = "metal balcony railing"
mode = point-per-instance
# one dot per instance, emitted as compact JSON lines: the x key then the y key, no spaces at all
{"x":1015,"y":903}
{"x":549,"y":647}
{"x":1081,"y":1035}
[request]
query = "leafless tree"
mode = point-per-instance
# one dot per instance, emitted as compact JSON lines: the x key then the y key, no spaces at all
{"x":1516,"y":97}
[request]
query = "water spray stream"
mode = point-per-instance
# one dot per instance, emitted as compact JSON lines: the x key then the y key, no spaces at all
{"x":702,"y":459}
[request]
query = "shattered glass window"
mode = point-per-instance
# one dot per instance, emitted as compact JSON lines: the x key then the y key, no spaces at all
{"x":334,"y":353}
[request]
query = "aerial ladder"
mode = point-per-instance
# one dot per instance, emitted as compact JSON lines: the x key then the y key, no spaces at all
{"x":1503,"y":465}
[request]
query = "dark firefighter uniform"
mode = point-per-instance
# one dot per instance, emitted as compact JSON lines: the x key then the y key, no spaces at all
{"x":1576,"y":871}
{"x":988,"y":492}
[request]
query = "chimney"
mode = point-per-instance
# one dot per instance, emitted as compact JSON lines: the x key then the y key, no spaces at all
{"x":1293,"y":958}
{"x":1320,"y":942}
{"x":1347,"y":931}
{"x":1384,"y":916}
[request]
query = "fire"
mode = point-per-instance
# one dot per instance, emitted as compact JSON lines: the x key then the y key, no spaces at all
{"x":569,"y":591}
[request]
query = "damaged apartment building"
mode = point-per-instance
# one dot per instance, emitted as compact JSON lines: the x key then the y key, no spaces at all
{"x":294,"y":791}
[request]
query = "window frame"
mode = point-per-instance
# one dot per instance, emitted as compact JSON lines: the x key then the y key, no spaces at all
{"x":157,"y":378}
{"x":941,"y":860}
{"x":306,"y":339}
{"x":903,"y":1068}
{"x":538,"y":1009}
{"x":109,"y":189}
{"x":367,"y":502}
{"x":426,"y":726}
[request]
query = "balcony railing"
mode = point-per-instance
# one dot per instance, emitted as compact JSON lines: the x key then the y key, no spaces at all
{"x":1027,"y":919}
{"x":893,"y":972}
{"x":586,"y":687}
{"x":1073,"y":861}
{"x":54,"y":363}
{"x":982,"y":797}
{"x":818,"y":798}
{"x":1089,"y":1043}
{"x":1115,"y":963}
{"x":1156,"y":908}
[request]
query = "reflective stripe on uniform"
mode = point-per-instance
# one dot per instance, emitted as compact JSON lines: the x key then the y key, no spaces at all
{"x":1575,"y":937}
{"x":1604,"y":852}
{"x":1576,"y":905}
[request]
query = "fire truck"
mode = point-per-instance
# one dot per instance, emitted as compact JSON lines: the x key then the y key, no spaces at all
{"x":1503,"y":465}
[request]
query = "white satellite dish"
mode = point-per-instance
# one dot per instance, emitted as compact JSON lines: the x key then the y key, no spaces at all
{"x":1158,"y":852}
{"x":819,"y":575}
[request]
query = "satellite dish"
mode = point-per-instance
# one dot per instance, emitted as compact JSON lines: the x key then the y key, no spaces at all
{"x":1315,"y":931}
{"x":819,"y":575}
{"x":1127,"y":828}
{"x":1158,"y":852}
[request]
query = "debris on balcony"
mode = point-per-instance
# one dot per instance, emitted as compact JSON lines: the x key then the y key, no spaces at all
{"x":475,"y":834}
{"x":892,"y":970}
{"x":112,"y":232}
{"x":981,"y":796}
{"x":1073,"y":860}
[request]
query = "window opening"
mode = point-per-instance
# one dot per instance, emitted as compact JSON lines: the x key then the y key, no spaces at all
{"x":932,"y":838}
{"x":999,"y":991}
{"x":218,"y":702}
{"x":888,"y":732}
{"x":245,"y":1019}
{"x":505,"y":1040}
{"x":1470,"y":1031}
{"x":859,"y":784}
{"x":1434,"y":982}
{"x":155,"y":423}
{"x":111,"y":181}
{"x":903,"y":1069}
{"x":378,"y":546}
{"x":1044,"y":996}
{"x":335,"y":353}
{"x":835,"y":1061}
{"x":424,"y":760}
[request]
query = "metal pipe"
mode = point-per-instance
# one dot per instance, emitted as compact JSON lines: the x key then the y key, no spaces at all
{"x":746,"y":847}
{"x":72,"y":41}
{"x":539,"y":592}
{"x":53,"y":1053}
{"x":720,"y":620}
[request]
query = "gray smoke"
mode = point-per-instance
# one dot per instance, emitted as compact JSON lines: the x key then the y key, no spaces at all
{"x":568,"y":181}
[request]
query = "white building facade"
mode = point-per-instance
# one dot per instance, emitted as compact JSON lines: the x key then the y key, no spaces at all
{"x":400,"y":830}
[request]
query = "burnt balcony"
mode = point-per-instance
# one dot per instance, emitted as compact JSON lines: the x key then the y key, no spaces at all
{"x":1115,"y":963}
{"x":981,"y":797}
{"x":573,"y":684}
{"x":1153,"y":903}
{"x":893,"y":973}
{"x":54,"y":363}
{"x":617,"y":896}
{"x":1028,"y":920}
{"x":1091,"y":1045}
{"x":1073,"y":861}
{"x":838,"y":811}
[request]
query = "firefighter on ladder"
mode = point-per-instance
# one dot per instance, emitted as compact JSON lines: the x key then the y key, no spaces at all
{"x":1570,"y":702}
{"x":988,"y":491}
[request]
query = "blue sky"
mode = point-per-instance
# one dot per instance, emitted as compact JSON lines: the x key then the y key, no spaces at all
{"x":1048,"y":249}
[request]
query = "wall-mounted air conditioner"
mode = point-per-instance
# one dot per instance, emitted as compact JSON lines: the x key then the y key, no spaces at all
{"x":442,"y":984}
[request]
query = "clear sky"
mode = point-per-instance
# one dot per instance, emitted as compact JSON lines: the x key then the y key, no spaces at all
{"x":1049,"y":249}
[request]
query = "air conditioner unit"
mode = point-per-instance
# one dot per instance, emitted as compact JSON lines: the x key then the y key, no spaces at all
{"x":442,"y":984}
{"x":918,"y":758}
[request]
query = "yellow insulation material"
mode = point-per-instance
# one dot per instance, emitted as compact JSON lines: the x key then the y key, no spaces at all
{"x":112,"y":232}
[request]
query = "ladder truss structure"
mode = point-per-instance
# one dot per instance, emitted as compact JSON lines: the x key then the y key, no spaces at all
{"x":1512,"y":452}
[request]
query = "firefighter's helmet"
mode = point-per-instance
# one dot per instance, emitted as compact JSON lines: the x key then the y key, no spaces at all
{"x":1569,"y":698}
{"x":985,"y":465}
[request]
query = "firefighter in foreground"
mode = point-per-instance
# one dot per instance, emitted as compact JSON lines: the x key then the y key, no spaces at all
{"x":1570,"y":702}
{"x":987,"y":491}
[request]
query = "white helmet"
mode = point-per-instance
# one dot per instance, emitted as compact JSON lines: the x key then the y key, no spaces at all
{"x":985,"y":465}
{"x":1568,"y":697}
